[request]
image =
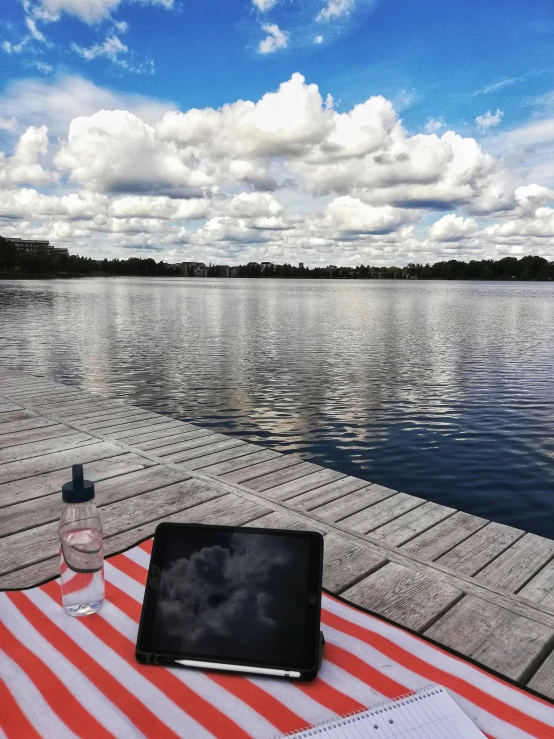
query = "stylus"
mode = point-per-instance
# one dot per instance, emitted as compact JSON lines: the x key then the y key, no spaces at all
{"x":238,"y":668}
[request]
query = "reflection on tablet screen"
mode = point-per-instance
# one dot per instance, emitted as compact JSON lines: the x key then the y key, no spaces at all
{"x":233,"y":596}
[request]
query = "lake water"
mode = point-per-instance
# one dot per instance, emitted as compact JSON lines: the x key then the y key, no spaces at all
{"x":439,"y":389}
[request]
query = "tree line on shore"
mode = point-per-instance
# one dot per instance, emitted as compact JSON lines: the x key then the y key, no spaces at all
{"x":36,"y":264}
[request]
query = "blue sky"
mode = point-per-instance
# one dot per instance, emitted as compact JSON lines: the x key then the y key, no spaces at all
{"x":482,"y":71}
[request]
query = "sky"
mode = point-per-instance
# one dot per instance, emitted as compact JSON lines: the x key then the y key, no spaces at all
{"x":322,"y":131}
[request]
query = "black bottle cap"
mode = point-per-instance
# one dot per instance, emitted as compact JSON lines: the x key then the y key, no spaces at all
{"x":78,"y":490}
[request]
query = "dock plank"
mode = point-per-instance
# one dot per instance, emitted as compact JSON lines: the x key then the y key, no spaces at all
{"x":166,"y":437}
{"x":444,"y":536}
{"x":16,"y":416}
{"x":359,"y":500}
{"x":303,"y":485}
{"x":278,"y":462}
{"x":540,"y":588}
{"x":237,"y":459}
{"x":475,"y":553}
{"x":391,"y":507}
{"x":504,"y":641}
{"x":518,"y":564}
{"x":285,"y":520}
{"x":41,"y":434}
{"x":164,"y":449}
{"x":318,"y":496}
{"x":6,"y":406}
{"x":29,"y":468}
{"x":51,"y":482}
{"x":31,"y":513}
{"x":280,"y":477}
{"x":75,"y":440}
{"x":346,"y":563}
{"x":406,"y":527}
{"x":134,"y":435}
{"x":543,"y":680}
{"x":404,"y":595}
{"x":202,"y":450}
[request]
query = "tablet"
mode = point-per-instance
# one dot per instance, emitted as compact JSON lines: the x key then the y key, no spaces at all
{"x":235,"y":599}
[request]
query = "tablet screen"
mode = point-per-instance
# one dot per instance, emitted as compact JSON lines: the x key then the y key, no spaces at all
{"x":232,"y":595}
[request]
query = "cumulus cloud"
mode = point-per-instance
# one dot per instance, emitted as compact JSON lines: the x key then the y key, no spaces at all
{"x":318,"y":40}
{"x":452,"y":228}
{"x":335,"y":9}
{"x":275,"y":39}
{"x":488,"y":120}
{"x":88,"y":11}
{"x":24,"y":166}
{"x":432,"y":125}
{"x":283,"y":178}
{"x":264,"y":5}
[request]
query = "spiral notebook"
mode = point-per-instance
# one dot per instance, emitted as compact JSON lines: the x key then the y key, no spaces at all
{"x":429,"y":714}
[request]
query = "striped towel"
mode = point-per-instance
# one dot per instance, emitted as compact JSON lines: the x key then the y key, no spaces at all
{"x":64,"y":677}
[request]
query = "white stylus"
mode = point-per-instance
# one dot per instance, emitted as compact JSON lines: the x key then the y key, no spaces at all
{"x":238,"y":668}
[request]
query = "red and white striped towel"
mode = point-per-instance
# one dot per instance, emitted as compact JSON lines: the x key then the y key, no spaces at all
{"x":63,"y":677}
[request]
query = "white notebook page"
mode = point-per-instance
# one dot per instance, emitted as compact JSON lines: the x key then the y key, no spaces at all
{"x":431,"y":714}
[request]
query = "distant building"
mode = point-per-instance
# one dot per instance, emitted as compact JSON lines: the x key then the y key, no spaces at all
{"x":233,"y":271}
{"x":253,"y":264}
{"x":266,"y":265}
{"x":194,"y":269}
{"x":300,"y":265}
{"x":34,"y":246}
{"x":332,"y":268}
{"x":223,"y":270}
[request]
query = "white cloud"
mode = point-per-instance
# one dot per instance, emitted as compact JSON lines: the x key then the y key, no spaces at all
{"x":275,"y":39}
{"x":335,"y":9}
{"x":10,"y":48}
{"x":35,"y":33}
{"x":452,"y":228}
{"x":111,"y":48}
{"x":7,"y":124}
{"x":488,"y":120}
{"x":500,"y":85}
{"x":24,"y":167}
{"x":318,"y":40}
{"x":432,"y":125}
{"x":43,"y":67}
{"x":283,"y":178}
{"x":264,"y":5}
{"x":89,"y":11}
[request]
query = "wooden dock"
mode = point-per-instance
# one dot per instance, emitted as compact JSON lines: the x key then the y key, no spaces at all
{"x":479,"y":587}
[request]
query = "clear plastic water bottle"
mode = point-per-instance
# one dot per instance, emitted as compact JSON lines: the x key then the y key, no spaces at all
{"x":81,"y":548}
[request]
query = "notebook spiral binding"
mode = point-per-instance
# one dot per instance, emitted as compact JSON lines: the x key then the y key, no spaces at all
{"x":385,"y":705}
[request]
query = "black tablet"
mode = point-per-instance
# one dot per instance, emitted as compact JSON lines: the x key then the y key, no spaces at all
{"x":236,"y":599}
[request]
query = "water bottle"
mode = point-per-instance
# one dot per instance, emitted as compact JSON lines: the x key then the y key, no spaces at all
{"x":81,"y":548}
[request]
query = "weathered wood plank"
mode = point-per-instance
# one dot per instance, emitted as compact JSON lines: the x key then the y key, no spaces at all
{"x":28,"y":468}
{"x":391,"y":507}
{"x":51,"y":482}
{"x":13,"y":416}
{"x":543,"y":680}
{"x":227,"y":510}
{"x":352,"y":503}
{"x":18,"y":452}
{"x":500,"y":639}
{"x":125,"y":424}
{"x":6,"y":406}
{"x":77,"y":410}
{"x":475,"y":553}
{"x":166,"y":436}
{"x":202,"y":451}
{"x":15,"y":427}
{"x":346,"y":563}
{"x":41,"y":434}
{"x":275,"y":479}
{"x":326,"y":493}
{"x":97,"y":416}
{"x":303,"y":485}
{"x":406,"y":596}
{"x":414,"y":522}
{"x":163,"y":449}
{"x":444,"y":536}
{"x":22,"y":549}
{"x":32,"y":513}
{"x":148,"y":428}
{"x":540,"y":588}
{"x":224,"y":462}
{"x":284,"y":520}
{"x":518,"y":564}
{"x":263,"y":468}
